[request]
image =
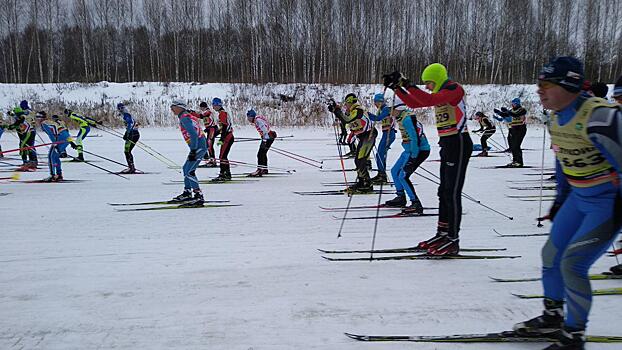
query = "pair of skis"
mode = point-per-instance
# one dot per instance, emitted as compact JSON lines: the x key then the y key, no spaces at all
{"x":171,"y":205}
{"x":412,"y":253}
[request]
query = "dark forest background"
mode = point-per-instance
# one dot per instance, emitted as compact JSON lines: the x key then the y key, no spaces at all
{"x":304,"y":41}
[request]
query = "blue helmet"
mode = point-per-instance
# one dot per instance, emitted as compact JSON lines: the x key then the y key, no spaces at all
{"x":516,"y":101}
{"x":379,"y":98}
{"x":24,"y":105}
{"x":216,"y":102}
{"x":251,"y":113}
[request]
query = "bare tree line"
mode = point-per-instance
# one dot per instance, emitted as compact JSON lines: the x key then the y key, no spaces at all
{"x":312,"y":41}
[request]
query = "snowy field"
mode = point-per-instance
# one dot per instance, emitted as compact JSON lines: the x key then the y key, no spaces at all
{"x":76,"y":274}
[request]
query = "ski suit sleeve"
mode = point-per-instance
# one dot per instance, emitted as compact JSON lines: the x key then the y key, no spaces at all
{"x":416,"y":98}
{"x":129,"y":122}
{"x":263,"y":128}
{"x":414,"y":137}
{"x":192,"y":133}
{"x":605,"y":131}
{"x":384,"y":112}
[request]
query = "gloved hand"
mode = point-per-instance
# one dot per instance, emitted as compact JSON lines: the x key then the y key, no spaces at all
{"x":332,"y":106}
{"x":192,"y":156}
{"x":552,"y":212}
{"x":504,"y":110}
{"x":126,"y":136}
{"x":73,"y":145}
{"x":395,"y":80}
{"x":272,"y":134}
{"x":219,"y":143}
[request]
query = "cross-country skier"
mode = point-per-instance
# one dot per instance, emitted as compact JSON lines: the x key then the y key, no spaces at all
{"x":267,"y":138}
{"x":195,"y":138}
{"x":416,"y":151}
{"x":131,"y":137}
{"x":226,"y":140}
{"x":85,"y":124}
{"x":211,"y":131}
{"x":515,"y":118}
{"x":487,"y":128}
{"x":360,"y":126}
{"x":447,"y":97}
{"x":587,"y":212}
{"x":58,"y":135}
{"x":26,"y":132}
{"x":387,"y":123}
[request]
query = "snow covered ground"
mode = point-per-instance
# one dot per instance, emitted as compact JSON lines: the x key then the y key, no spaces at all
{"x":76,"y":274}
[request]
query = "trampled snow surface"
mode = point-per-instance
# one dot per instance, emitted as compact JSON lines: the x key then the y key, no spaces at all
{"x":75,"y":274}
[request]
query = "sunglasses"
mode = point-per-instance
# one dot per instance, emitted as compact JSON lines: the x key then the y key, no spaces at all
{"x":545,"y":85}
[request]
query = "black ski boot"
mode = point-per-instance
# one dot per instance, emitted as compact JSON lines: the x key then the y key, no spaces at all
{"x":79,"y":158}
{"x":380,"y":178}
{"x":616,"y":270}
{"x":196,"y":201}
{"x":398,"y":202}
{"x":360,"y":187}
{"x":551,"y":320}
{"x":414,"y":208}
{"x":184,"y":197}
{"x":568,"y":340}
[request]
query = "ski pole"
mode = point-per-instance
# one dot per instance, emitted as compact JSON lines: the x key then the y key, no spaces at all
{"x":384,"y":160}
{"x":541,"y":177}
{"x":104,"y":158}
{"x":474,"y":200}
{"x":101,"y":168}
{"x":298,"y":155}
{"x":294,"y":158}
{"x":345,"y":179}
{"x":33,"y":147}
{"x":169,"y":163}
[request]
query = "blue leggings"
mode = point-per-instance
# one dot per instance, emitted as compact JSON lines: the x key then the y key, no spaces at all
{"x":190,"y":177}
{"x":54,"y":161}
{"x":583,"y":229}
{"x":383,"y":148}
{"x":403,"y":168}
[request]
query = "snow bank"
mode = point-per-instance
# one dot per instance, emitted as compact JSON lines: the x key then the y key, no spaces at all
{"x":284,"y":104}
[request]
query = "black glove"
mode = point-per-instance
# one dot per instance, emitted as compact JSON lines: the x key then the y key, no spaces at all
{"x":395,"y":80}
{"x":126,"y":136}
{"x":192,"y":156}
{"x":552,"y":212}
{"x":332,"y":106}
{"x":73,"y":145}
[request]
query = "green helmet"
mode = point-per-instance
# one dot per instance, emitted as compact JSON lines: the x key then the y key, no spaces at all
{"x":436,"y":73}
{"x":18,"y":110}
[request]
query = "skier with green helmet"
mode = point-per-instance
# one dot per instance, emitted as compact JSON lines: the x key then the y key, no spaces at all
{"x":447,"y":98}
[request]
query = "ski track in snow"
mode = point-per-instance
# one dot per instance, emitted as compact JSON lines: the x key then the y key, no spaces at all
{"x":75,"y":274}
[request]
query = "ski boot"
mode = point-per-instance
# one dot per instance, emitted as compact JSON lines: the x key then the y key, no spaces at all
{"x":380,"y":178}
{"x":79,"y":158}
{"x":436,"y":241}
{"x":568,"y":340}
{"x":551,"y":320}
{"x":264,"y":171}
{"x":184,"y":197}
{"x":220,"y":178}
{"x":361,"y":187}
{"x":616,"y":270}
{"x":398,"y":202}
{"x":49,"y":179}
{"x":482,"y":154}
{"x":196,"y":201}
{"x":211,"y":163}
{"x":131,"y":170}
{"x":451,"y":247}
{"x":415,"y":208}
{"x":256,"y":173}
{"x":57,"y":178}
